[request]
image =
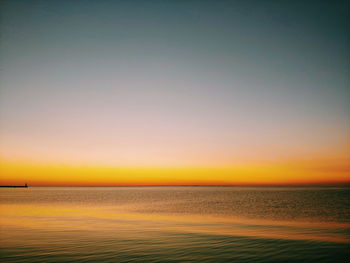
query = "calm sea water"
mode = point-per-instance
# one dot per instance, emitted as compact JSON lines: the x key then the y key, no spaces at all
{"x":175,"y":224}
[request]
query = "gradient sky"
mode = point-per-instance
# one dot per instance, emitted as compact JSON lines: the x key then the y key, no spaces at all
{"x":164,"y":84}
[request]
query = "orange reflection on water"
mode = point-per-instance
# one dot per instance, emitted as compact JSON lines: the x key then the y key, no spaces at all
{"x":128,"y":224}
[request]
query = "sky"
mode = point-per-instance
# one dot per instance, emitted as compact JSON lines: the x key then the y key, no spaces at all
{"x":174,"y":92}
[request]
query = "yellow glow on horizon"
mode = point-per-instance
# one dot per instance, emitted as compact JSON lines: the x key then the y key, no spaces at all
{"x":271,"y":174}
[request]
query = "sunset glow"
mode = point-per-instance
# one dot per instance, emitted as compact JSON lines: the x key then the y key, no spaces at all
{"x":282,"y":174}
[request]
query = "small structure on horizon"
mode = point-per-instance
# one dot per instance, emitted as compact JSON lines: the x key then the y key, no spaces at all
{"x":16,"y":186}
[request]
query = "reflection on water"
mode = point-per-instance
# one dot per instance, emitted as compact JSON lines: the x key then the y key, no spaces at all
{"x":174,"y":224}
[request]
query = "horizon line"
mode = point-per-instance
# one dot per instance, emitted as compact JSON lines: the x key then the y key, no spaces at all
{"x":347,"y":184}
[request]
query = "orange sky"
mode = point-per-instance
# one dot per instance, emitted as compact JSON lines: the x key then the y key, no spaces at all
{"x":335,"y":172}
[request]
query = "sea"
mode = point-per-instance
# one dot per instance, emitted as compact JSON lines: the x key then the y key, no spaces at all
{"x":175,"y":224}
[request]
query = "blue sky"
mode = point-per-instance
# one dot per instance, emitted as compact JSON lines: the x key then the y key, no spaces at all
{"x":174,"y":82}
